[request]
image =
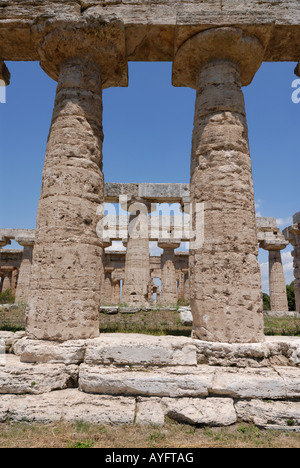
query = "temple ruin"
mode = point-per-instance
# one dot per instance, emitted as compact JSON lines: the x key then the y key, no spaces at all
{"x":228,"y":368}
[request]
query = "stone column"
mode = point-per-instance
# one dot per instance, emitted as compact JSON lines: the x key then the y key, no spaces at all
{"x":226,"y":296}
{"x":116,"y":291}
{"x":107,"y":294}
{"x":137,"y":261}
{"x":180,"y":291}
{"x":1,"y":281}
{"x":278,"y":295}
{"x":7,"y":279}
{"x":168,"y":272}
{"x":292,"y":234}
{"x":24,"y":279}
{"x":187,"y":294}
{"x":67,"y":264}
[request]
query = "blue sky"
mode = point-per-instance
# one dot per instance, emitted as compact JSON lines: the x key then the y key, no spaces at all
{"x":148,"y":131}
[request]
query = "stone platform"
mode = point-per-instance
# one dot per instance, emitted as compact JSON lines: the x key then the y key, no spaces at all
{"x":141,"y":379}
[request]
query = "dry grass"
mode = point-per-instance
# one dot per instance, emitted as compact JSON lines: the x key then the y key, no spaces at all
{"x":84,"y":435}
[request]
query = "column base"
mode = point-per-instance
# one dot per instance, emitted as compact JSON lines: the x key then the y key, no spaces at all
{"x":187,"y":380}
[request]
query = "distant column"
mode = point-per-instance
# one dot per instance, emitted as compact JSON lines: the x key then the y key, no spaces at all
{"x":180,"y":291}
{"x":137,"y":261}
{"x":187,"y":294}
{"x":7,"y":278}
{"x":24,"y":279}
{"x":168,"y":272}
{"x":274,"y":243}
{"x":292,"y":234}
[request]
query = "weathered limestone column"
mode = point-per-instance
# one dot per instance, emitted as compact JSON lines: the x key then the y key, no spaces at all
{"x":292,"y":234}
{"x":278,"y":295}
{"x":24,"y":278}
{"x":68,"y":255}
{"x":226,"y":296}
{"x":7,"y":278}
{"x":137,"y":260}
{"x":180,"y":291}
{"x":168,"y":272}
{"x":107,"y":293}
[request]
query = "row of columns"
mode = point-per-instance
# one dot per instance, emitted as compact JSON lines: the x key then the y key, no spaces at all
{"x":67,"y":270}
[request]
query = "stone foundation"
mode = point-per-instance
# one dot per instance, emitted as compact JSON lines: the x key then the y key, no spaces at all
{"x":139,"y":379}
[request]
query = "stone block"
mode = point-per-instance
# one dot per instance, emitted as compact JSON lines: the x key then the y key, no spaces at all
{"x":195,"y":411}
{"x":262,"y":383}
{"x":19,"y":378}
{"x":143,"y":350}
{"x":284,"y":415}
{"x":38,"y":351}
{"x":150,"y":411}
{"x":167,"y":382}
{"x":67,"y":405}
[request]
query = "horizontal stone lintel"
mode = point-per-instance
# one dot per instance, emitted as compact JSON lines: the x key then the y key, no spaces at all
{"x":155,"y":29}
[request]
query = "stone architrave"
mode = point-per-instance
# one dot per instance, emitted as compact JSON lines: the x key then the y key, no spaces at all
{"x":67,"y":267}
{"x":278,"y":295}
{"x":226,"y":296}
{"x":168,"y":272}
{"x":292,"y":234}
{"x":137,"y":261}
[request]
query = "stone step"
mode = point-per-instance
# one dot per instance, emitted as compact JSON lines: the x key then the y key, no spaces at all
{"x":148,"y":351}
{"x":201,"y":381}
{"x":19,"y":378}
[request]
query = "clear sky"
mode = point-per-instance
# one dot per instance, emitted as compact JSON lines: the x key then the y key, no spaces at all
{"x":148,"y":131}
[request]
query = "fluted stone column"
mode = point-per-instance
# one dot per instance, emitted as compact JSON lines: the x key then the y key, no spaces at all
{"x":107,"y":293}
{"x":24,"y":278}
{"x":180,"y":291}
{"x":226,"y":296}
{"x":168,"y":272}
{"x":137,"y":260}
{"x":7,"y":278}
{"x":68,"y":255}
{"x":278,"y":295}
{"x":187,"y":294}
{"x":292,"y":234}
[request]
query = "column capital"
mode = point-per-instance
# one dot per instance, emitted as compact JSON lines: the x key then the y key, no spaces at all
{"x":101,"y":41}
{"x":4,"y":73}
{"x":224,"y":43}
{"x":168,"y":244}
{"x":274,"y":242}
{"x":292,"y":234}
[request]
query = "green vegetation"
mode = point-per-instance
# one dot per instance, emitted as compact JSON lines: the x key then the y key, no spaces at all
{"x":266,"y":301}
{"x":7,"y":297}
{"x":291,"y":297}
